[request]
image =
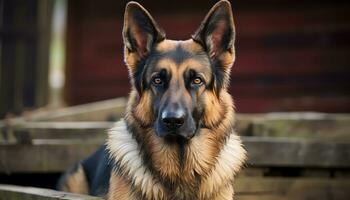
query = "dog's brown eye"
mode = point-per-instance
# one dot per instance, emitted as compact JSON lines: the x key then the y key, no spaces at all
{"x":197,"y":81}
{"x":157,"y":81}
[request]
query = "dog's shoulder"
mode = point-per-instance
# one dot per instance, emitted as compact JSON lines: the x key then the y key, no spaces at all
{"x":97,"y":168}
{"x":89,"y":176}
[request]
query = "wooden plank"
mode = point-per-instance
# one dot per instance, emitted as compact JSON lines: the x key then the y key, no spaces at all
{"x":27,"y":131}
{"x":275,"y":54}
{"x":83,"y":120}
{"x":280,"y":88}
{"x":44,"y":156}
{"x":287,"y":152}
{"x":57,"y":155}
{"x":307,"y":125}
{"x":305,"y":61}
{"x":266,"y":103}
{"x":314,"y":43}
{"x":277,"y":188}
{"x":25,"y":35}
{"x":12,"y":192}
{"x":314,"y":126}
{"x":246,"y":189}
{"x":44,"y":27}
{"x":302,"y":125}
{"x":111,"y":109}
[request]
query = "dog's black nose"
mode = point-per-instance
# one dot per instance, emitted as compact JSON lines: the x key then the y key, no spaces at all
{"x":173,"y":120}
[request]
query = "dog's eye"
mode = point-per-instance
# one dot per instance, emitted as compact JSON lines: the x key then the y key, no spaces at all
{"x":197,"y":81}
{"x":157,"y":81}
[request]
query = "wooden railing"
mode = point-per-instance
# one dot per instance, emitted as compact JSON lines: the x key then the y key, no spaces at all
{"x":291,"y":155}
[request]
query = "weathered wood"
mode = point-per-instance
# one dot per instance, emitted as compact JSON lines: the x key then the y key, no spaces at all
{"x":293,"y":139}
{"x":287,"y":152}
{"x":320,"y":126}
{"x":315,"y":126}
{"x":87,"y":118}
{"x":108,"y":110}
{"x":302,"y":63}
{"x":277,"y":188}
{"x":57,"y":155}
{"x":44,"y":27}
{"x":247,"y":188}
{"x":11,"y":192}
{"x":25,"y":132}
{"x":44,"y":156}
{"x":25,"y":36}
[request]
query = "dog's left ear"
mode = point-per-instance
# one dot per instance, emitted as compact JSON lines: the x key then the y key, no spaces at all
{"x":217,"y":32}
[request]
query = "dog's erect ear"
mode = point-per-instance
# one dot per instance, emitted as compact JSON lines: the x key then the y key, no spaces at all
{"x":217,"y":32}
{"x":140,"y":31}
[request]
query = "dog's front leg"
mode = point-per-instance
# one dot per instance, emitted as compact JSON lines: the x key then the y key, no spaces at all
{"x":119,"y":189}
{"x":226,"y":193}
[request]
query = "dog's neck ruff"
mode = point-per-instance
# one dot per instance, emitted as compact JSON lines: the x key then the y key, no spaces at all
{"x":124,"y":150}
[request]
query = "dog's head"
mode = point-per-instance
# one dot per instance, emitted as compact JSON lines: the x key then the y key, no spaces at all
{"x":178,"y":86}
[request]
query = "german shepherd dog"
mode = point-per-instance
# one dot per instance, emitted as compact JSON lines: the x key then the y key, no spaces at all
{"x":177,"y":139}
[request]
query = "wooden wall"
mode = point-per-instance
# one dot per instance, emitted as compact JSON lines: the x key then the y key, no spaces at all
{"x":291,"y":56}
{"x":24,"y":54}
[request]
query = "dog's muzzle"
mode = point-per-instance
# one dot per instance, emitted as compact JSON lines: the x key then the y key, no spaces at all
{"x":175,"y":122}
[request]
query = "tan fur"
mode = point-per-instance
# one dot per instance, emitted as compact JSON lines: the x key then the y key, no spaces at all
{"x":76,"y":182}
{"x":206,"y":155}
{"x":141,"y":107}
{"x":120,"y":189}
{"x":146,"y":165}
{"x":167,"y":45}
{"x":124,"y":148}
{"x":227,"y":60}
{"x":218,"y":172}
{"x":130,"y":58}
{"x":225,"y":194}
{"x":169,"y":64}
{"x":192,"y":46}
{"x":165,"y":158}
{"x":206,"y":167}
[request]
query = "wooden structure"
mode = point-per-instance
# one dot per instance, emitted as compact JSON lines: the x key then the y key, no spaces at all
{"x":290,"y":56}
{"x":10,"y":192}
{"x":25,"y":29}
{"x":291,"y":155}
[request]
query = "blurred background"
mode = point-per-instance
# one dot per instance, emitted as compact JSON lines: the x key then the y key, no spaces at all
{"x":291,"y":56}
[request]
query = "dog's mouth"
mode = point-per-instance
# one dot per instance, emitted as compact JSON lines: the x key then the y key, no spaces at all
{"x":176,"y":134}
{"x":176,"y":139}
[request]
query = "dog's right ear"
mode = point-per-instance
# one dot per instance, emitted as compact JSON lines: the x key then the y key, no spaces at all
{"x":140,"y":31}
